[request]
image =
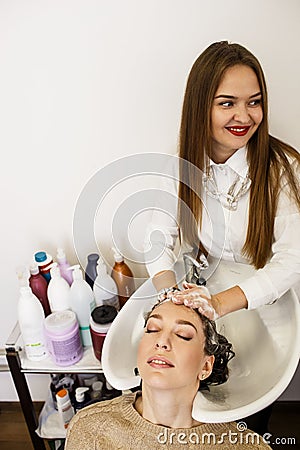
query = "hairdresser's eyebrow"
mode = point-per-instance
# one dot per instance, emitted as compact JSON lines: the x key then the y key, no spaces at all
{"x":232,"y":97}
{"x":179,"y":321}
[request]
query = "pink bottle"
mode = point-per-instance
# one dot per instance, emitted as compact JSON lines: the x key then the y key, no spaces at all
{"x":39,"y":287}
{"x":64,"y":266}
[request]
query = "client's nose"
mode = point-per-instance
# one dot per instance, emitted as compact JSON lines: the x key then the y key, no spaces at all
{"x":162,"y":344}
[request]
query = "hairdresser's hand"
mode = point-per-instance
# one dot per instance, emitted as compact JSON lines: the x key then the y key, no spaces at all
{"x":197,"y":297}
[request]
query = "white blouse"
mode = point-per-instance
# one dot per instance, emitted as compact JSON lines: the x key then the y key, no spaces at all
{"x":223,"y":232}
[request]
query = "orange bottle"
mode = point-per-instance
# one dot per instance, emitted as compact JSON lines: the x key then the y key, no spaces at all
{"x":123,"y":278}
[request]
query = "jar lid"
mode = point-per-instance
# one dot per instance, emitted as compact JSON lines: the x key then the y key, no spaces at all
{"x":60,"y":320}
{"x":104,"y":314}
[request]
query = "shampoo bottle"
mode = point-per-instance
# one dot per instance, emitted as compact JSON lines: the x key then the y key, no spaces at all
{"x":39,"y":287}
{"x":64,"y":266}
{"x":64,"y":406}
{"x":31,"y":318}
{"x":123,"y":278}
{"x":82,"y":303}
{"x":105,"y":288}
{"x":58,"y":291}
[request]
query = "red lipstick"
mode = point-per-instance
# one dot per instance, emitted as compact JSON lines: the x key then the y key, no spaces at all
{"x":238,"y":131}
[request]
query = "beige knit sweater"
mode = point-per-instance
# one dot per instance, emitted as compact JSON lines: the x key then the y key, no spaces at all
{"x":115,"y":424}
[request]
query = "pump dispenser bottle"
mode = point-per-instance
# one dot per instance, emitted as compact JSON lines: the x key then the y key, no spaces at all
{"x":80,"y":398}
{"x":64,"y":266}
{"x":105,"y":288}
{"x":82,"y":303}
{"x":58,"y":291}
{"x":123,"y":278}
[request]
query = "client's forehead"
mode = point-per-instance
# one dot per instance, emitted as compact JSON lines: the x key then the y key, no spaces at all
{"x":170,"y":310}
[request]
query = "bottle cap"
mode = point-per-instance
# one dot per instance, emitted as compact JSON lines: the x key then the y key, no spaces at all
{"x":23,"y":276}
{"x":97,"y":386}
{"x":54,"y":271}
{"x":62,"y":396}
{"x":118,"y":257}
{"x":77,"y":272}
{"x":104,"y":314}
{"x":79,"y":393}
{"x":34,"y":269}
{"x":60,"y":254}
{"x":93,"y":257}
{"x":101,"y":267}
{"x":40,"y":256}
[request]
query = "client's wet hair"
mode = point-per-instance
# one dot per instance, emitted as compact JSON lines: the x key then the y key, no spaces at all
{"x":215,"y":344}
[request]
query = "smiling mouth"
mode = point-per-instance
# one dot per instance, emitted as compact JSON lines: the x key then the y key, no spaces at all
{"x":238,"y":131}
{"x":160,"y":363}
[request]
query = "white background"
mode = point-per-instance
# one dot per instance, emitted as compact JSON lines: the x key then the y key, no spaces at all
{"x":84,"y":83}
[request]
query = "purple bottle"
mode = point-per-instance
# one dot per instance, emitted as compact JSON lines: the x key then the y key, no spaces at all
{"x":64,"y":266}
{"x":39,"y":287}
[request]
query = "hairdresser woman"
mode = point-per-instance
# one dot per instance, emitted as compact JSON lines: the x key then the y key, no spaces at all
{"x":234,"y":165}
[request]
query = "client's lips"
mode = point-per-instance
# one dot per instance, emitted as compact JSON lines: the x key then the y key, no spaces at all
{"x":159,"y":362}
{"x":238,"y":131}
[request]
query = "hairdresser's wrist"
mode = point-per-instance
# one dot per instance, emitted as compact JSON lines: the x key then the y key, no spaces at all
{"x":228,"y":301}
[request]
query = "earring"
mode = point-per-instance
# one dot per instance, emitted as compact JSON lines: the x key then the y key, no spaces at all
{"x":203,"y":376}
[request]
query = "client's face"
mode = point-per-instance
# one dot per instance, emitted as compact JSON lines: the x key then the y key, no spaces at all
{"x":171,"y":351}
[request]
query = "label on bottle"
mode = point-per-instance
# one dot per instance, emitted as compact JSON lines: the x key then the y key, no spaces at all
{"x":35,"y":349}
{"x":67,"y":412}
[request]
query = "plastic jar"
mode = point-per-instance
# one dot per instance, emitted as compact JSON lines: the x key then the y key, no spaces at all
{"x":100,"y":322}
{"x":63,"y":338}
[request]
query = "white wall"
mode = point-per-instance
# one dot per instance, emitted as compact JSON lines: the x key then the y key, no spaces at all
{"x":85,"y":82}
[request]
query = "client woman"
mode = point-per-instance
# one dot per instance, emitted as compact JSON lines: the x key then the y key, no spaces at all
{"x":179,"y":351}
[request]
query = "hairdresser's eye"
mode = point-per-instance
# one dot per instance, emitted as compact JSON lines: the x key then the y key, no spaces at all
{"x":255,"y":102}
{"x":226,"y":104}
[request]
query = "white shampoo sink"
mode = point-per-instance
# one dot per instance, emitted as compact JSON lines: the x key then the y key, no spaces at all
{"x":266,"y":342}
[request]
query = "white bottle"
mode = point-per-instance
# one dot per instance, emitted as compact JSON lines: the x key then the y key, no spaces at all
{"x":58,"y":291}
{"x":31,"y":319}
{"x":82,"y":303}
{"x":64,"y":406}
{"x":105,"y":289}
{"x":64,"y":266}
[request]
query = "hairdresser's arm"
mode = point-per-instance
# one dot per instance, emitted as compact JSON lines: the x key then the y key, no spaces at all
{"x":229,"y":301}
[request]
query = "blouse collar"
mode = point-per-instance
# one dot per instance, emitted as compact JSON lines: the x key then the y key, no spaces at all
{"x":237,"y":162}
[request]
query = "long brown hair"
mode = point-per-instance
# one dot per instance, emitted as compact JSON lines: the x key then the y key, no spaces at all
{"x":268,"y":157}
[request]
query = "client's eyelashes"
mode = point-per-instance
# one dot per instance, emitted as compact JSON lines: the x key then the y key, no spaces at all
{"x":150,"y":331}
{"x":185,"y":338}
